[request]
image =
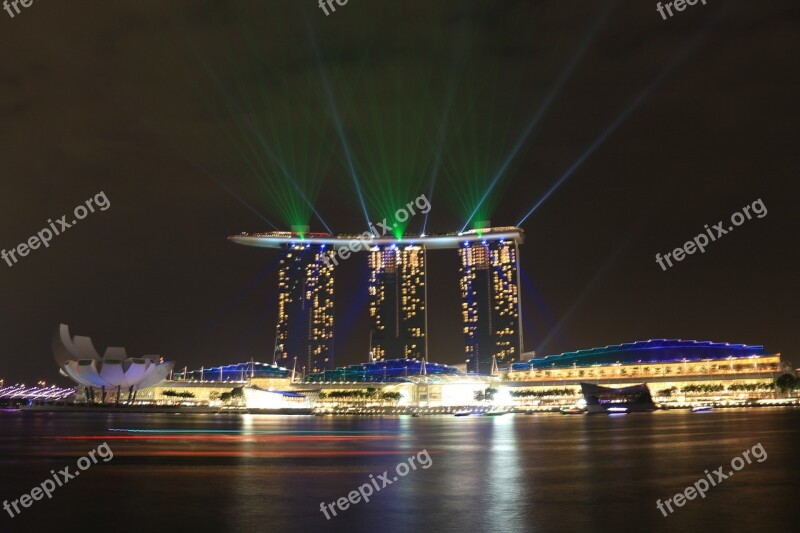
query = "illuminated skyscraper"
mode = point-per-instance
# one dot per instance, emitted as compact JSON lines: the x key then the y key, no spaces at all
{"x":397,"y":293}
{"x":490,"y":303}
{"x":397,"y":302}
{"x":305,"y":309}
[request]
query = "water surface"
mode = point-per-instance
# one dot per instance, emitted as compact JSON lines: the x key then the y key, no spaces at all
{"x":548,"y":472}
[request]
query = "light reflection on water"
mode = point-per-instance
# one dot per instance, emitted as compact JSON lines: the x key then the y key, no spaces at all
{"x":508,"y":473}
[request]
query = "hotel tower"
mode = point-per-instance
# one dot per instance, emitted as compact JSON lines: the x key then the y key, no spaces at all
{"x":398,"y":294}
{"x":397,"y":302}
{"x":305,"y":309}
{"x":490,"y":306}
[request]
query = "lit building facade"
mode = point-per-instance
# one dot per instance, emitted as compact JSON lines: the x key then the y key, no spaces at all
{"x":305,"y":308}
{"x":398,"y":293}
{"x":397,"y":302}
{"x":675,"y":370}
{"x":490,"y":304}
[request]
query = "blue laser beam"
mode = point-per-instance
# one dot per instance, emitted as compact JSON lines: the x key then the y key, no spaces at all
{"x":537,"y":299}
{"x":554,"y":90}
{"x":589,"y":151}
{"x":338,"y":123}
{"x":228,"y":97}
{"x":245,"y":291}
{"x":229,"y":191}
{"x":587,"y":289}
{"x":640,"y":98}
{"x":271,"y":153}
{"x":436,"y":165}
{"x":440,"y":138}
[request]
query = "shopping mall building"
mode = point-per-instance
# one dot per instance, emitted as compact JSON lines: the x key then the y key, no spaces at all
{"x":675,"y":371}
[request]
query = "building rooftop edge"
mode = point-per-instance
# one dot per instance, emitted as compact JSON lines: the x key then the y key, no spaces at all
{"x":280,"y":239}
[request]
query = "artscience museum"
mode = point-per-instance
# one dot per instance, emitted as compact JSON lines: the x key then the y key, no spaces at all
{"x":114,"y":372}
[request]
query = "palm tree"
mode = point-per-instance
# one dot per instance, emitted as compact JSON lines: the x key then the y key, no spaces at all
{"x":786,"y":382}
{"x":393,"y":396}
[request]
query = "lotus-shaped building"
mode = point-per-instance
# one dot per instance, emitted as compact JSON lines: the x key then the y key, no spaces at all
{"x":78,"y":359}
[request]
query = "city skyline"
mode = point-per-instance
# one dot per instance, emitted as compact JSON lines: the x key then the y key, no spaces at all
{"x":333,"y":265}
{"x":155,"y":270}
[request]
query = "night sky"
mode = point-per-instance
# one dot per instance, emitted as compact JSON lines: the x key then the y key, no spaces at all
{"x":172,"y":109}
